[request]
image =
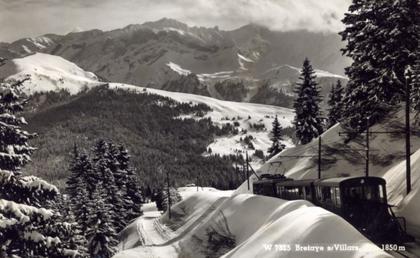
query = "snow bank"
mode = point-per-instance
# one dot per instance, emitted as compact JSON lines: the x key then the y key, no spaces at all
{"x":212,"y":224}
{"x":293,"y":229}
{"x":408,"y":206}
{"x":48,"y":73}
{"x":187,"y":191}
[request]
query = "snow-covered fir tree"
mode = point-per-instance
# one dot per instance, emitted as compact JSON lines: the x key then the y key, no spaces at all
{"x":276,"y":138}
{"x":308,"y":121}
{"x":382,"y":38}
{"x":113,"y":195}
{"x":101,"y":234}
{"x":128,"y":182}
{"x":335,"y":103}
{"x":29,"y":224}
{"x":106,"y":177}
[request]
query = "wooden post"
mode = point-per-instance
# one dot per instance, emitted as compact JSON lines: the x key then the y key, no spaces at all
{"x":367,"y":146}
{"x":319,"y":157}
{"x":247,"y":170}
{"x":407,"y":134}
{"x":169,"y":194}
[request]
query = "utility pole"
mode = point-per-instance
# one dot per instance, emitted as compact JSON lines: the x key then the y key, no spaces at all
{"x":407,"y":131}
{"x":367,"y":146}
{"x":319,"y":157}
{"x":367,"y":139}
{"x":247,"y":171}
{"x":168,"y":193}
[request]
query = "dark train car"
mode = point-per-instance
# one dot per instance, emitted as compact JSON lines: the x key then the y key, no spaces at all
{"x":295,"y":189}
{"x":267,"y":184}
{"x":362,"y":201}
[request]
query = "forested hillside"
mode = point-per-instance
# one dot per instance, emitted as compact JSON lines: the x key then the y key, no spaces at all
{"x":145,"y":123}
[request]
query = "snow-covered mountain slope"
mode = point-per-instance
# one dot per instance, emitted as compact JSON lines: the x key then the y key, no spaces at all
{"x":213,"y":224}
{"x":244,"y":115}
{"x":48,"y":73}
{"x":53,"y":73}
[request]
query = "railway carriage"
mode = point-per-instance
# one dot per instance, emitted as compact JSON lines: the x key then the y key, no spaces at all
{"x":362,"y":201}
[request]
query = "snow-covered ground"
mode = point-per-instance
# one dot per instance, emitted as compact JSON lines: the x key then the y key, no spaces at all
{"x":213,"y":223}
{"x":408,"y":206}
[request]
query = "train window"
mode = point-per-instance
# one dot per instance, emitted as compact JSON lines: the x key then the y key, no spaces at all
{"x":307,"y":195}
{"x":318,"y":193}
{"x":326,"y":194}
{"x":337,"y":197}
{"x":381,"y":192}
{"x":367,"y":192}
{"x":280,"y":191}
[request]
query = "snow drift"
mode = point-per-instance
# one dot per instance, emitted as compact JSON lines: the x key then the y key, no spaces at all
{"x":210,"y":224}
{"x":408,"y":206}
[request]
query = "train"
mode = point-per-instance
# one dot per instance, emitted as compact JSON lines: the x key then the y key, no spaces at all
{"x":362,"y":201}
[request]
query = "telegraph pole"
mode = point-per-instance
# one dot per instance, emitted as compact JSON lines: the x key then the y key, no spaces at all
{"x":247,"y":171}
{"x":407,"y":132}
{"x":367,"y":146}
{"x":319,"y":157}
{"x":367,"y":139}
{"x":168,"y":193}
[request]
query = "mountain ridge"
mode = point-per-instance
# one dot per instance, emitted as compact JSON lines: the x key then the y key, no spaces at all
{"x":141,"y":54}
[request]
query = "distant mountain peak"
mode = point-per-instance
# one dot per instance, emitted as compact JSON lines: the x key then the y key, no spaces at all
{"x":253,"y":27}
{"x":166,"y":23}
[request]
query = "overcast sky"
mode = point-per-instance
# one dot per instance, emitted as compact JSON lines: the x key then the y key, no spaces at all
{"x":27,"y":18}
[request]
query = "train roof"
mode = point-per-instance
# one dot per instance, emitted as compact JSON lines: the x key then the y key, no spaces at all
{"x":350,"y":180}
{"x":272,"y":180}
{"x":303,"y":182}
{"x":336,"y":181}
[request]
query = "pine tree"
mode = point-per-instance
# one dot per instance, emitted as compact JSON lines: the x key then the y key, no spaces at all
{"x":382,"y":38}
{"x":335,"y":103}
{"x":101,"y":233}
{"x":30,"y":225}
{"x":308,"y":122}
{"x":132,"y":195}
{"x":107,"y":179}
{"x":104,"y":162}
{"x":276,"y":138}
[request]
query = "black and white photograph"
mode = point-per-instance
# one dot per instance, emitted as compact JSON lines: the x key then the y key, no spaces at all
{"x":209,"y":128}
